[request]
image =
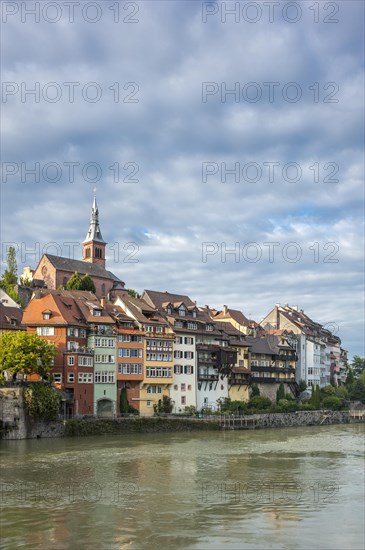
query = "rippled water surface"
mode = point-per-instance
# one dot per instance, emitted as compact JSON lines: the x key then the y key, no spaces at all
{"x":268,"y":489}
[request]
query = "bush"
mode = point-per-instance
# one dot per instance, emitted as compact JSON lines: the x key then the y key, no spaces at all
{"x":255,"y":390}
{"x":306,"y":407}
{"x":259,"y":403}
{"x":332,"y":402}
{"x":342,"y":392}
{"x":42,"y":401}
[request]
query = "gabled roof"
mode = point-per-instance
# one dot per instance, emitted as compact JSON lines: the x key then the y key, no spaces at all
{"x":82,"y":268}
{"x":159,"y":298}
{"x":234,"y":314}
{"x":10,"y":318}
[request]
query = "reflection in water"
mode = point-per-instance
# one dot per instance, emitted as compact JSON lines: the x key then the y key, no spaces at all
{"x":295,"y":488}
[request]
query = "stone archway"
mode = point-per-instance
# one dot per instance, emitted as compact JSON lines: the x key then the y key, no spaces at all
{"x":105,"y":408}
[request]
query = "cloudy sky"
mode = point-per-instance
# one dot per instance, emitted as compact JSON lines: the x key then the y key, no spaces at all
{"x":226,"y":148}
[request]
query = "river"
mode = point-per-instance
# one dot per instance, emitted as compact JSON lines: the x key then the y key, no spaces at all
{"x":299,"y":488}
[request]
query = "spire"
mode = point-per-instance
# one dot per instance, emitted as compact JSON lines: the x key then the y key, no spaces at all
{"x":94,"y":233}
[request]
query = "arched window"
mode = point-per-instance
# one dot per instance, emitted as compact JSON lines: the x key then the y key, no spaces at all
{"x":64,"y":281}
{"x":87,"y":253}
{"x":103,"y":289}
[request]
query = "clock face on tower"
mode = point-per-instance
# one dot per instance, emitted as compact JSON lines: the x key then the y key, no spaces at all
{"x":44,"y":271}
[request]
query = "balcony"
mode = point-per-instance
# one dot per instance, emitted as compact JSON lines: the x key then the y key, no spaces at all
{"x":72,"y":349}
{"x":268,"y":380}
{"x":205,"y":376}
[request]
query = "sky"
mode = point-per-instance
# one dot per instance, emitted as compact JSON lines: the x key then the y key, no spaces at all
{"x":224,"y":139}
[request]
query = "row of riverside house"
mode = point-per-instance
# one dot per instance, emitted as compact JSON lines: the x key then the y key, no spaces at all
{"x":164,"y":344}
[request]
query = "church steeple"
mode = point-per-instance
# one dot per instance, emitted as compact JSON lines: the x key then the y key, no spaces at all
{"x":94,"y":244}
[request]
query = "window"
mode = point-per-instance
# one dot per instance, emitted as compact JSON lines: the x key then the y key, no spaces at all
{"x":102,"y":286}
{"x":85,"y":361}
{"x":71,"y":377}
{"x":104,"y":359}
{"x":178,"y":354}
{"x":104,"y":342}
{"x":130,"y":352}
{"x":72,"y":346}
{"x":154,"y":389}
{"x":178,"y":369}
{"x":158,"y":372}
{"x":194,"y":312}
{"x":189,"y":387}
{"x":71,"y":331}
{"x":97,"y":312}
{"x":87,"y":255}
{"x":188,"y":369}
{"x":192,"y":325}
{"x":178,"y":340}
{"x":178,"y":324}
{"x":104,"y":377}
{"x":181,"y":311}
{"x":124,"y":338}
{"x":183,"y":400}
{"x":70,"y":360}
{"x":183,"y":387}
{"x":209,"y":327}
{"x":149,"y":403}
{"x":169,"y":310}
{"x":82,"y":333}
{"x":85,"y":378}
{"x":176,"y":387}
{"x":159,"y":329}
{"x":130,"y":368}
{"x":57,"y":378}
{"x":188,"y":340}
{"x":45,"y":331}
{"x":46,"y":316}
{"x":188,"y":354}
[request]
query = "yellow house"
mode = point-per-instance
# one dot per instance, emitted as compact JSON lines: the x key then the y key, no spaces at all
{"x":159,"y":366}
{"x":237,"y":319}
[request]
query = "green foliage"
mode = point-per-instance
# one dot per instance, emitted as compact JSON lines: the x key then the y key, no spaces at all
{"x":357,"y":391}
{"x":123,"y":402}
{"x":133,"y":293}
{"x":255,"y":390}
{"x":327,"y":391}
{"x":26,"y":353}
{"x":280,"y":392}
{"x":302,"y":385}
{"x":350,"y":379}
{"x":74,"y":282}
{"x":315,"y":399}
{"x":306,"y":407}
{"x":164,"y":406}
{"x":231,"y":407}
{"x":357,"y":365}
{"x":24,"y":281}
{"x":42,"y":401}
{"x":289,"y":397}
{"x":10,"y":276}
{"x":87,"y":284}
{"x":190,"y":410}
{"x":342,"y":392}
{"x":332,"y":402}
{"x":259,"y":403}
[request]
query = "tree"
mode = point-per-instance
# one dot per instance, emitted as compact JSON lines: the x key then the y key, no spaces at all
{"x":318,"y":397}
{"x":133,"y":293}
{"x":165,"y":405}
{"x":315,"y":399}
{"x":87,"y":283}
{"x":124,"y":405}
{"x":302,"y":385}
{"x":255,"y":390}
{"x":350,"y":378}
{"x":357,"y":365}
{"x":21,"y":352}
{"x":10,"y":276}
{"x":280,"y":392}
{"x":75,"y":282}
{"x":42,"y":401}
{"x":357,"y":391}
{"x":332,"y":402}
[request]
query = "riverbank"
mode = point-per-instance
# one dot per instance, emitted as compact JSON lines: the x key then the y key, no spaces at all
{"x":15,"y":424}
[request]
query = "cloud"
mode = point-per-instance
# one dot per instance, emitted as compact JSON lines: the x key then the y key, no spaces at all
{"x":164,"y":137}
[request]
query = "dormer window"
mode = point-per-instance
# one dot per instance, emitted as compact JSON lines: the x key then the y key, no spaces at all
{"x":46,"y":315}
{"x":169,"y":310}
{"x":182,"y":311}
{"x":97,"y":312}
{"x":194,"y":312}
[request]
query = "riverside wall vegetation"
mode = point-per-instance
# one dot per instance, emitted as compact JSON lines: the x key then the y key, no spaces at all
{"x":16,"y":424}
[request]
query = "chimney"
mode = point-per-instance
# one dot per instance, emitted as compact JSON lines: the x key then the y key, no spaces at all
{"x":225,"y":310}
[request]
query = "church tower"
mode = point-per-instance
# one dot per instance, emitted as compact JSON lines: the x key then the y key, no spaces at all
{"x":94,"y":244}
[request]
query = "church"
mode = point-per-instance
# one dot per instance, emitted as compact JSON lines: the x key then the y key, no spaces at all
{"x":54,"y":271}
